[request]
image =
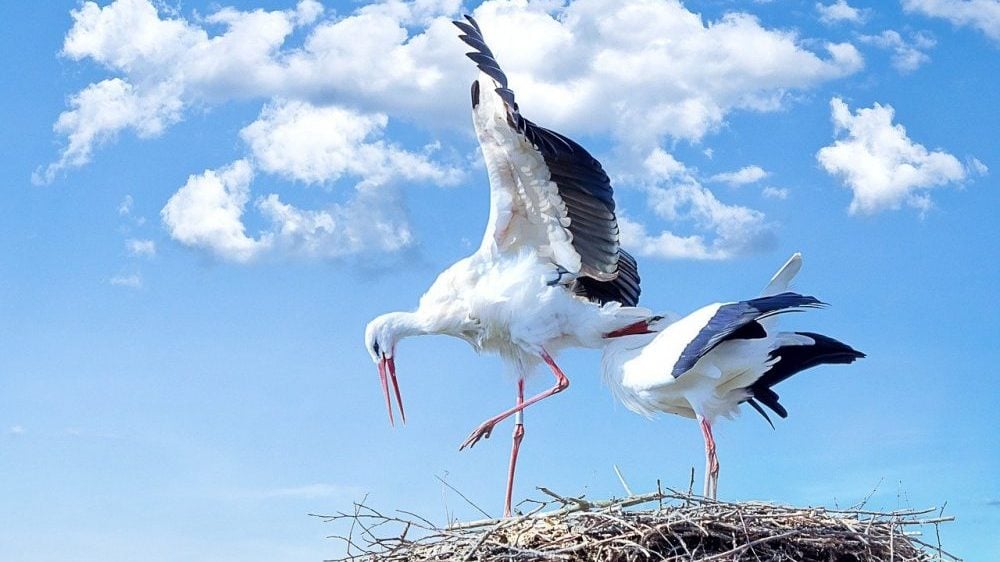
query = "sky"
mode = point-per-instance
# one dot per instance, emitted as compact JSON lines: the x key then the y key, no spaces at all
{"x":205,"y":202}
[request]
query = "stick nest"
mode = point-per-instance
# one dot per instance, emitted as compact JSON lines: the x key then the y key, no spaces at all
{"x":670,"y":527}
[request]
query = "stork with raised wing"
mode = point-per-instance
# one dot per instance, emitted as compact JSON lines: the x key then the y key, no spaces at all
{"x":707,"y":363}
{"x":549,"y":273}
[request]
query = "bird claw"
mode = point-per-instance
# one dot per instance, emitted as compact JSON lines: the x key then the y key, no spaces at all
{"x":481,"y":432}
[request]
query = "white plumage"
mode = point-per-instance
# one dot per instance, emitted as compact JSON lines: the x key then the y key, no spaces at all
{"x":707,"y":363}
{"x":549,"y":273}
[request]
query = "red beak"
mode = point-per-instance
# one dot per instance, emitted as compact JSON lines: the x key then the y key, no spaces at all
{"x":387,"y":372}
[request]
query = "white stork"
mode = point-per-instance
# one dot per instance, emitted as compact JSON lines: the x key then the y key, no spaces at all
{"x":549,"y":273}
{"x":709,"y":362}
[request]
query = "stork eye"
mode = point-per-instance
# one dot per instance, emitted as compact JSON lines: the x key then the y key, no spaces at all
{"x":375,"y":348}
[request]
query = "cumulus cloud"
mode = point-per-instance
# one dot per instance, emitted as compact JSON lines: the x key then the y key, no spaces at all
{"x":648,"y":70}
{"x":983,"y":15}
{"x":743,"y":176}
{"x":907,"y":56}
{"x":167,"y":64}
{"x":840,"y":11}
{"x":312,"y":144}
{"x":207,"y":213}
{"x":722,"y":231}
{"x":637,"y":69}
{"x":876,"y":159}
{"x":103,"y":109}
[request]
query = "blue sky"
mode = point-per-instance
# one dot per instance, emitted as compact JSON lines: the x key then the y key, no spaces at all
{"x":206,"y":202}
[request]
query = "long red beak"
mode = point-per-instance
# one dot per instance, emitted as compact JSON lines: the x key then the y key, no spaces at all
{"x":387,"y":372}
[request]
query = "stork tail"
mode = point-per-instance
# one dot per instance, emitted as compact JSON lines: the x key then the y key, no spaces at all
{"x":793,"y":359}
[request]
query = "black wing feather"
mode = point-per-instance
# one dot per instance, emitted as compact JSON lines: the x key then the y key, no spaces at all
{"x":582,"y":182}
{"x":623,"y":289}
{"x":794,"y":359}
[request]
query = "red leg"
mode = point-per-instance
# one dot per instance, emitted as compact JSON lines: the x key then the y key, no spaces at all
{"x":484,"y":429}
{"x":518,"y":435}
{"x":711,"y":460}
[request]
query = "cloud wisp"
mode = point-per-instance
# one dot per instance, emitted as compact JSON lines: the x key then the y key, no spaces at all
{"x":907,"y":56}
{"x":983,"y":15}
{"x":743,"y":176}
{"x":720,"y":231}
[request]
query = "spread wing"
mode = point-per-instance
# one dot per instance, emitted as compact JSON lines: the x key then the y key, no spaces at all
{"x":546,"y":191}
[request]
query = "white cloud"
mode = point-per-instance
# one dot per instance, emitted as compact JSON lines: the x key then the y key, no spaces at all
{"x":303,"y":142}
{"x":984,"y":15}
{"x":320,"y":144}
{"x":907,"y":56}
{"x":978,"y":167}
{"x":367,"y":223}
{"x":840,"y":11}
{"x":132,"y":281}
{"x":638,"y":69}
{"x":103,"y":109}
{"x":675,"y":196}
{"x":125,"y":207}
{"x":647,"y":70}
{"x":207,"y":213}
{"x":137,"y":247}
{"x":743,"y":176}
{"x":877,"y":160}
{"x":772,"y":192}
{"x":15,"y":430}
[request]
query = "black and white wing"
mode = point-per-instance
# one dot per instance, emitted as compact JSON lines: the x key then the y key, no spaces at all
{"x":623,"y":289}
{"x":738,"y":320}
{"x":546,"y":191}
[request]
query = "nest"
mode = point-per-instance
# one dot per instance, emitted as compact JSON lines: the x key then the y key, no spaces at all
{"x":671,"y":527}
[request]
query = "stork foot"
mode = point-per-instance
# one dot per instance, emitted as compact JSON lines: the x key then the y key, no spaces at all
{"x":481,"y":432}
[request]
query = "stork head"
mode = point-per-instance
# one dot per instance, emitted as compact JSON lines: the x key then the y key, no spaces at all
{"x":381,"y":336}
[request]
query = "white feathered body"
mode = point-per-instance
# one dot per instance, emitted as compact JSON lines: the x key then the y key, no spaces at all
{"x":510,"y":304}
{"x":638,"y":368}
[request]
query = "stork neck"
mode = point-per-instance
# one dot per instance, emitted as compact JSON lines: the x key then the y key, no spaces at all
{"x":406,"y":324}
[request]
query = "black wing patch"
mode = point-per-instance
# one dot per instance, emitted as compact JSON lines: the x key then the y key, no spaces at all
{"x":581,"y":180}
{"x":623,"y":289}
{"x":732,"y":320}
{"x":794,"y":359}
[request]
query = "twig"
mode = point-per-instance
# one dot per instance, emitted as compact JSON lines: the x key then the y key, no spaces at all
{"x":461,"y":495}
{"x":622,"y":480}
